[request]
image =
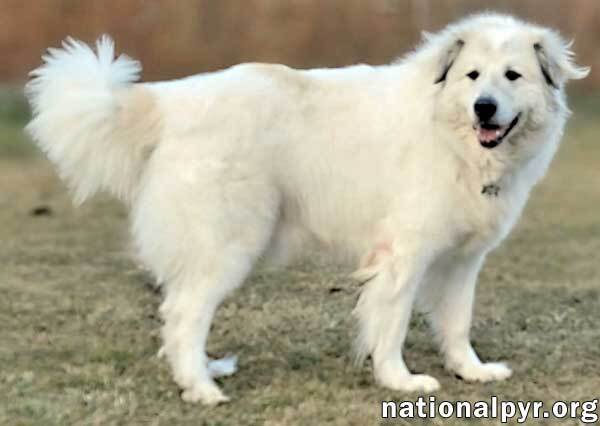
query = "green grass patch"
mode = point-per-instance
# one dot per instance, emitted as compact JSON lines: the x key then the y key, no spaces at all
{"x":14,"y":114}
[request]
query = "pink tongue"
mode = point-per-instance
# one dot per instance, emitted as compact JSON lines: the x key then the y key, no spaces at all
{"x":486,"y":135}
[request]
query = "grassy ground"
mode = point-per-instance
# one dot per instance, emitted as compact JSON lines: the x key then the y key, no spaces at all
{"x":79,"y":327}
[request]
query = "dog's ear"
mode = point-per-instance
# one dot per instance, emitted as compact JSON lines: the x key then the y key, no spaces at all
{"x":557,"y":60}
{"x":447,"y":60}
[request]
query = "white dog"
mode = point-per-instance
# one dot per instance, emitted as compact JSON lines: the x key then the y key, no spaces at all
{"x":418,"y":168}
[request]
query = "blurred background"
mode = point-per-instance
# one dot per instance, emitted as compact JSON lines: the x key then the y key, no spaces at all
{"x":176,"y":38}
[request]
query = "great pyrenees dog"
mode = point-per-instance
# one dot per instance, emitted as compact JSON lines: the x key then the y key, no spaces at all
{"x":416,"y":170}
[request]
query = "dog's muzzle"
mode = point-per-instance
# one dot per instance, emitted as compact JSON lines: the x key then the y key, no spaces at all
{"x":490,"y":135}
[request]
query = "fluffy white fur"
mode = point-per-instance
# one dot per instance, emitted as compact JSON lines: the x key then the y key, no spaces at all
{"x":381,"y":163}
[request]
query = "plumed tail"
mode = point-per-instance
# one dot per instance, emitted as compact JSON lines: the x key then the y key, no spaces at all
{"x":89,"y":118}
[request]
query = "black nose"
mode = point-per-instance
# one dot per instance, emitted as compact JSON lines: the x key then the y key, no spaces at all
{"x":485,"y":108}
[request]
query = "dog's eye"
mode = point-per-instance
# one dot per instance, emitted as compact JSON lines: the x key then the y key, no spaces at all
{"x":512,"y":75}
{"x":473,"y":75}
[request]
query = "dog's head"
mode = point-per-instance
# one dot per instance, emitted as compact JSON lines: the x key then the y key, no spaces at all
{"x":499,"y":79}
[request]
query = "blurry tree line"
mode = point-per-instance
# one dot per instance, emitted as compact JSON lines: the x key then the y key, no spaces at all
{"x":178,"y":37}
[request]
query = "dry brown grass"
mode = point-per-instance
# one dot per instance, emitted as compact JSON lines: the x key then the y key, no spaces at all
{"x":79,"y":326}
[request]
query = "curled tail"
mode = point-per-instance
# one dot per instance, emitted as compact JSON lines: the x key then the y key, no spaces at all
{"x":89,"y":118}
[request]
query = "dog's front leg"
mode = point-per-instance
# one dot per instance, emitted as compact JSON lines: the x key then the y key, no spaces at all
{"x":451,"y":312}
{"x":384,"y":310}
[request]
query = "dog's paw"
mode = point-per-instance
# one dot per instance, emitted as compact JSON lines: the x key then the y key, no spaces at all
{"x":413,"y":383}
{"x":485,"y":372}
{"x":205,"y":393}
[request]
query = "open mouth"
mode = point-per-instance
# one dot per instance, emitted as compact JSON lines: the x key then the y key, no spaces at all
{"x":491,"y":135}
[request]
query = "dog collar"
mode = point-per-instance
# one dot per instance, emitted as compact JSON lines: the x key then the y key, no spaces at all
{"x":491,"y":190}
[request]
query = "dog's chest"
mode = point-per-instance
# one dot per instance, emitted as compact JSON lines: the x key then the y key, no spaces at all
{"x":486,"y":218}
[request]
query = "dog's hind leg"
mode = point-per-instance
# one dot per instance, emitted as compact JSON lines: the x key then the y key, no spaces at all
{"x":202,"y":248}
{"x":187,"y":311}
